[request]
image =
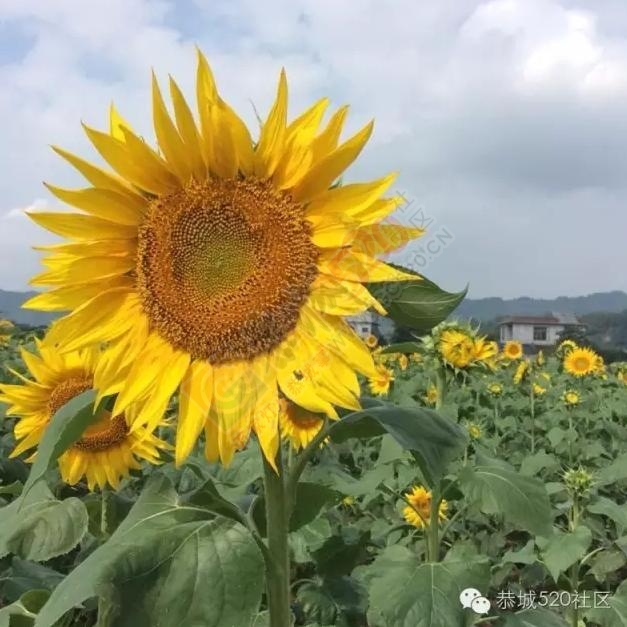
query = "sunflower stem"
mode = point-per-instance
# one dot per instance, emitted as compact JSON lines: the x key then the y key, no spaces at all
{"x":433,"y":530}
{"x":278,"y":514}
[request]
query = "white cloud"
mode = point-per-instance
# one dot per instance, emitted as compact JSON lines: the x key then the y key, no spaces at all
{"x":505,"y":117}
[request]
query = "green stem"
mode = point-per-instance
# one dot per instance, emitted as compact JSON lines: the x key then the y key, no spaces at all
{"x":278,"y":513}
{"x":571,"y":431}
{"x":440,"y":386}
{"x":104,"y":510}
{"x":433,"y":530}
{"x":532,"y":408}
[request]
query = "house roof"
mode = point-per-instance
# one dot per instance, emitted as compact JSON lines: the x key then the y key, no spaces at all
{"x":554,"y":319}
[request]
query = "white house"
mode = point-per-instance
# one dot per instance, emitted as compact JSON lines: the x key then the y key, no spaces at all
{"x":371,"y":323}
{"x":536,"y":330}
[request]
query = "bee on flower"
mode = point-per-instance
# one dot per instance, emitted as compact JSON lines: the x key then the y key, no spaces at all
{"x":418,"y":509}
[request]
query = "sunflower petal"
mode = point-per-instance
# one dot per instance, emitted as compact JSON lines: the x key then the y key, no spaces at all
{"x":273,"y":132}
{"x":378,"y":239}
{"x":78,"y":226}
{"x":194,"y":404}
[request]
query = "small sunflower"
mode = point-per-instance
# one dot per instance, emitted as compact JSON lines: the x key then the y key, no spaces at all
{"x":416,"y":358}
{"x":380,"y":384}
{"x":474,"y":431}
{"x":581,"y":362}
{"x":566,"y":346}
{"x":513,"y":350}
{"x":403,"y":362}
{"x":622,"y":376}
{"x":521,"y":372}
{"x":538,"y":390}
{"x":418,"y":510}
{"x":431,"y":397}
{"x":495,"y":389}
{"x":571,"y":398}
{"x":485,"y":351}
{"x":222,"y":265}
{"x":107,"y":450}
{"x":372,"y":341}
{"x":456,"y":348}
{"x":298,"y":425}
{"x":6,"y":326}
{"x":540,"y":358}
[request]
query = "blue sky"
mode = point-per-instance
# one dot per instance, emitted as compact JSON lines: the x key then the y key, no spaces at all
{"x":505,"y":118}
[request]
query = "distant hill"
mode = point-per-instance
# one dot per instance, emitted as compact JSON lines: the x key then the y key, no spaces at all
{"x":10,"y":308}
{"x":490,"y":308}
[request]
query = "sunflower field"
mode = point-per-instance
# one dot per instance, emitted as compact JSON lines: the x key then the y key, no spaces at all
{"x":201,"y":439}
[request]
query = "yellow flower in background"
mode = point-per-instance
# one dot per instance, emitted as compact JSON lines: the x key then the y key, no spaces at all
{"x":107,"y":450}
{"x":538,"y":390}
{"x":416,"y":358}
{"x":485,"y":351}
{"x":380,"y":383}
{"x":495,"y":389}
{"x":513,"y":350}
{"x":545,"y":375}
{"x":456,"y":348}
{"x":622,"y":376}
{"x":599,"y":365}
{"x":571,"y":398}
{"x":403,"y":362}
{"x":474,"y":431}
{"x":431,"y":397}
{"x":418,"y":510}
{"x":566,"y":346}
{"x":6,"y":326}
{"x":222,"y":265}
{"x":298,"y":425}
{"x":581,"y":362}
{"x":372,"y":341}
{"x":521,"y":372}
{"x":540,"y":359}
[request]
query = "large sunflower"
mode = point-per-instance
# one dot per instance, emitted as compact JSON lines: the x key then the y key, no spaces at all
{"x":513,"y":349}
{"x":222,"y":265}
{"x":108,"y":448}
{"x":581,"y":362}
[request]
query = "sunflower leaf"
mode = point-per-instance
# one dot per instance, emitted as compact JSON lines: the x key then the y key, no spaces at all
{"x":167,"y":564}
{"x":38,"y":527}
{"x":433,"y":439}
{"x":419,"y":305}
{"x":65,"y":427}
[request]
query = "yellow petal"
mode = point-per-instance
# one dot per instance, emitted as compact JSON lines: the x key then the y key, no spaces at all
{"x":221,"y":147}
{"x":189,"y":132}
{"x":242,"y":140}
{"x":96,"y":176}
{"x":108,"y":248}
{"x":78,"y":226}
{"x":351,"y":266}
{"x":378,"y":239}
{"x":168,"y":137}
{"x":134,"y":161}
{"x":328,"y":140}
{"x":341,"y":298}
{"x":333,"y":233}
{"x":272,"y":138}
{"x":349,"y":199}
{"x":87,"y":269}
{"x":194,"y":404}
{"x":103,"y":203}
{"x":103,"y":318}
{"x":72,"y":296}
{"x":327,"y":170}
{"x":266,"y":414}
{"x":116,"y":122}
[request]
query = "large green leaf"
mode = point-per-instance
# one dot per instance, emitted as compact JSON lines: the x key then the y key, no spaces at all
{"x":562,"y":550}
{"x":38,"y":527}
{"x":22,"y":612}
{"x":419,"y":305}
{"x":496,"y":488}
{"x":433,"y":439}
{"x":406,"y":592}
{"x":606,"y":507}
{"x":64,"y":428}
{"x":538,"y":617}
{"x":610,"y":611}
{"x":168,"y":564}
{"x":615,"y":471}
{"x":24,"y":576}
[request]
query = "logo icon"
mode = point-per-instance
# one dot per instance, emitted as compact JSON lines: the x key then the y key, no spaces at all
{"x":473,"y":599}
